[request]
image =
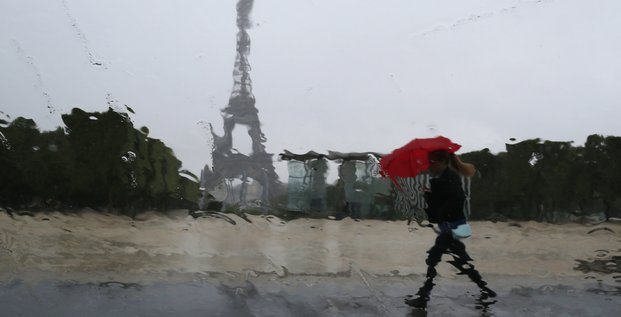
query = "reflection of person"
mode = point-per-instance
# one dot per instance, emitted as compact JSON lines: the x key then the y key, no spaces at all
{"x":445,"y":201}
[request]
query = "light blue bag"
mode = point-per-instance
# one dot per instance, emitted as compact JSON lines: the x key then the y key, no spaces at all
{"x":462,"y":231}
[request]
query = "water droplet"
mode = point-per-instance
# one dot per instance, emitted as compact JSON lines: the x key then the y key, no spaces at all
{"x":601,"y":253}
{"x":4,"y":142}
{"x":129,"y":157}
{"x":129,"y":109}
{"x":134,"y":183}
{"x":535,"y":158}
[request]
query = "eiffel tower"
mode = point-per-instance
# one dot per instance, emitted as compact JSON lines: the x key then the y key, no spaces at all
{"x":241,"y":111}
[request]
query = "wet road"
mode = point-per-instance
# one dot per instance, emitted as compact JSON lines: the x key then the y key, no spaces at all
{"x":301,"y":296}
{"x":93,"y":264}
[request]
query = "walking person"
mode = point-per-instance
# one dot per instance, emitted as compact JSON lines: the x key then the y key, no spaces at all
{"x":445,"y":200}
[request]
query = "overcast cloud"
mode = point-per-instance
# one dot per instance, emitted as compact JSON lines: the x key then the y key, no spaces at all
{"x":345,"y":75}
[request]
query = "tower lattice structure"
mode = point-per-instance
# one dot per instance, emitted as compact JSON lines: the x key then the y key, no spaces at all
{"x":242,"y":112}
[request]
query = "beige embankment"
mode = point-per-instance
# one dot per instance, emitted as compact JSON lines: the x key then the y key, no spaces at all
{"x":89,"y":243}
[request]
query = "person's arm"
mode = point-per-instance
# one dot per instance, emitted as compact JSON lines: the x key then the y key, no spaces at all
{"x":465,"y":169}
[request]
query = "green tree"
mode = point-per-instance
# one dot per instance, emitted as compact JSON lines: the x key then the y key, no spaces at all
{"x":97,"y":142}
{"x":484,"y":192}
{"x":98,"y":160}
{"x":15,"y":158}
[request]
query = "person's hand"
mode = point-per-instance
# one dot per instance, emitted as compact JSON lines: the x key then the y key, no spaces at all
{"x":465,"y":169}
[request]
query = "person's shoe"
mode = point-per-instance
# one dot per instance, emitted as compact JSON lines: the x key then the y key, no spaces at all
{"x":418,"y":302}
{"x":486,"y":291}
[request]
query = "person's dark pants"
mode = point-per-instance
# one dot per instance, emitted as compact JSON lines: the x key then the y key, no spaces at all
{"x":445,"y":243}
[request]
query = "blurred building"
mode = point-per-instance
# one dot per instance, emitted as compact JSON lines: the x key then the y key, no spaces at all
{"x":359,"y":191}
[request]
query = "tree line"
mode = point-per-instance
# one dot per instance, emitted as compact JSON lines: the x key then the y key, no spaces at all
{"x":97,"y":160}
{"x":100,"y":160}
{"x":547,"y":180}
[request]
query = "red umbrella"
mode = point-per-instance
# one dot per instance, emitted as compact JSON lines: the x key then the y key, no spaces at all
{"x":411,"y":159}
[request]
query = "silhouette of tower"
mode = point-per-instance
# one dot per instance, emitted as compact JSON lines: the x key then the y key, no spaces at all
{"x":241,"y":111}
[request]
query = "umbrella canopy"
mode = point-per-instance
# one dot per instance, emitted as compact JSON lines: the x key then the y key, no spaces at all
{"x":411,"y":159}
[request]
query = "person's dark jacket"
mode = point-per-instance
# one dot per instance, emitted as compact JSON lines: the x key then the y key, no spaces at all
{"x":446,"y":199}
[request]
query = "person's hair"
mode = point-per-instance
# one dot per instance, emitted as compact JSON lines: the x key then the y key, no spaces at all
{"x":440,"y":156}
{"x":453,"y":161}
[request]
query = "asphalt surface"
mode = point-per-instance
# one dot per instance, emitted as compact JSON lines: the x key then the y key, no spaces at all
{"x":357,"y":295}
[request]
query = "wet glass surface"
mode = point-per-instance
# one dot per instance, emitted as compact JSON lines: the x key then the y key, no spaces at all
{"x":230,"y":158}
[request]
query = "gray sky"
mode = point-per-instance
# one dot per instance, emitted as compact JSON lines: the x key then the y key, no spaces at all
{"x":345,"y":75}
